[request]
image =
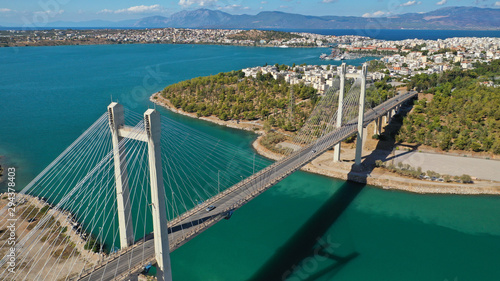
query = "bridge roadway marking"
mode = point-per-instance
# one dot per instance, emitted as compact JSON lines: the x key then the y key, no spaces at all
{"x":195,"y":221}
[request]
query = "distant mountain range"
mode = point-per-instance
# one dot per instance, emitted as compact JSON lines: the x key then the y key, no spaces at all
{"x":463,"y":18}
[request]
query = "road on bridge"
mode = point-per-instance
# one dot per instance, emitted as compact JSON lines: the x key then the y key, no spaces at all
{"x":195,"y":221}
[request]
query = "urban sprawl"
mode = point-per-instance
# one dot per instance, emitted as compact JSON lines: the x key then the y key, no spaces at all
{"x":406,"y":58}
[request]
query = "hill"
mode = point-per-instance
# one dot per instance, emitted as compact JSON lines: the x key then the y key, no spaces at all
{"x":461,"y":18}
{"x":445,"y":18}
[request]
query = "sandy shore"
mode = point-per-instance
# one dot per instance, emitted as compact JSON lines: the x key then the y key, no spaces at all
{"x":324,"y":165}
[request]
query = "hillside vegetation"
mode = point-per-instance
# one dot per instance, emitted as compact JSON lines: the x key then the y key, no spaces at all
{"x":463,"y":114}
{"x":231,"y":95}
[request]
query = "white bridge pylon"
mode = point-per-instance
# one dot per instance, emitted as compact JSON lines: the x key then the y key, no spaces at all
{"x":342,"y":72}
{"x":361,"y":116}
{"x":152,"y":136}
{"x":361,"y":111}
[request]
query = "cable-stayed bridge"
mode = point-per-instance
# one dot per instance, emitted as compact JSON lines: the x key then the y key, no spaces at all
{"x":143,"y":190}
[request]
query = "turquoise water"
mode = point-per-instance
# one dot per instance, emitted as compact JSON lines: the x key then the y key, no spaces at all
{"x":50,"y":95}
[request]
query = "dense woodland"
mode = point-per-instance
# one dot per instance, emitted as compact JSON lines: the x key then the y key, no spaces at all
{"x":463,"y":114}
{"x":231,"y":95}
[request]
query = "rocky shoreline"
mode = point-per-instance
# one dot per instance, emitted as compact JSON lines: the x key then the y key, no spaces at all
{"x":2,"y":178}
{"x":344,"y":171}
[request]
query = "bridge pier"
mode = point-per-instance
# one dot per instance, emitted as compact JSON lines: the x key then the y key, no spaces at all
{"x":377,"y":129}
{"x":336,"y":150}
{"x":162,"y":252}
{"x":361,"y":119}
{"x":116,"y":120}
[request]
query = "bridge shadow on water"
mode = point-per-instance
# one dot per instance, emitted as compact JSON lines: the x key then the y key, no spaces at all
{"x":302,"y":244}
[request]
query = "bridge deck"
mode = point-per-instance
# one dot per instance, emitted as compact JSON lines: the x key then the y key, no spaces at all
{"x":195,"y":221}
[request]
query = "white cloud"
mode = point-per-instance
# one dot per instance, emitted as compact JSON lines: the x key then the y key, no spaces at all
{"x":49,"y":13}
{"x":329,"y":1}
{"x":263,"y":2}
{"x":142,"y":9}
{"x":233,"y":7}
{"x":5,"y":10}
{"x":410,"y":3}
{"x":379,"y":13}
{"x":442,"y":2}
{"x":105,"y":11}
{"x":376,"y":14}
{"x":497,"y":3}
{"x":187,"y":3}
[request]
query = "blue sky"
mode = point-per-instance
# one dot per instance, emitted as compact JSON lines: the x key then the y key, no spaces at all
{"x":42,"y":11}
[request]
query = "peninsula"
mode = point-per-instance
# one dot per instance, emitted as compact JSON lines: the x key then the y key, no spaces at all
{"x":232,"y":99}
{"x":237,"y":37}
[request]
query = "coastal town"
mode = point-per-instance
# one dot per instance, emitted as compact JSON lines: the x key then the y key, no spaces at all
{"x":410,"y":58}
{"x":416,"y":56}
{"x":11,"y":38}
{"x":320,"y":77}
